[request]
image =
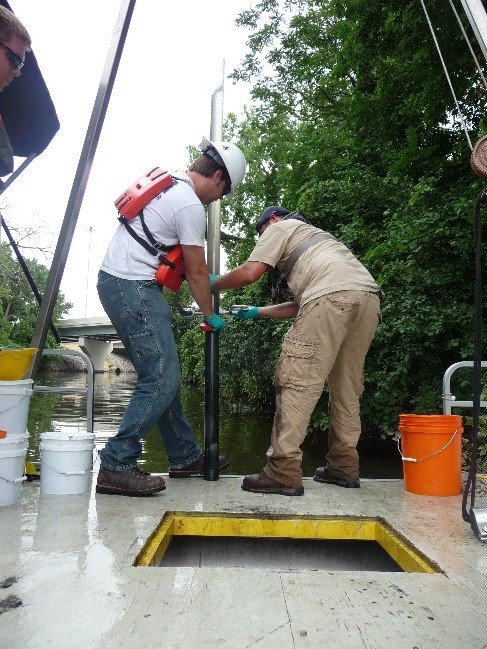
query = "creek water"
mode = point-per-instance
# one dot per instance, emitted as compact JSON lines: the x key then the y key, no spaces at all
{"x":244,"y":431}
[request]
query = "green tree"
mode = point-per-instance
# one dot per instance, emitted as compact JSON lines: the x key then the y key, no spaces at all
{"x":18,"y":305}
{"x":353,"y":124}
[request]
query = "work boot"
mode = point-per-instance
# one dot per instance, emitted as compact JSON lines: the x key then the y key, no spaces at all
{"x":197,"y":468}
{"x":262,"y":484}
{"x":323,"y":474}
{"x":132,"y":482}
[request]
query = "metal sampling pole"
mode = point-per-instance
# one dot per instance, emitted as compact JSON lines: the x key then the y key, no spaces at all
{"x":212,"y":383}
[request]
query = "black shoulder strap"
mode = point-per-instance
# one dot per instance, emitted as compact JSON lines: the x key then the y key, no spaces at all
{"x":154,"y":250}
{"x":152,"y":246}
{"x":302,"y":247}
{"x":155,"y":244}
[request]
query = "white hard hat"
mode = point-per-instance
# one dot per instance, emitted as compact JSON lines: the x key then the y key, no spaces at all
{"x":232,"y":158}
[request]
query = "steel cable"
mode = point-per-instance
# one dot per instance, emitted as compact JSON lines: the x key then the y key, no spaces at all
{"x":445,"y":70}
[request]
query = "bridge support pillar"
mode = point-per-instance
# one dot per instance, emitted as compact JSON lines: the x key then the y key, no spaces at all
{"x":97,"y":350}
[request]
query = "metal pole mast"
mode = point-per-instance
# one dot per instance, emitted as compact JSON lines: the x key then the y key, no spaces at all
{"x":478,"y":19}
{"x":212,"y":383}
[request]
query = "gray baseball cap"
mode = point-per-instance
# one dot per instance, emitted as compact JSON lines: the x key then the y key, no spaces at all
{"x":270,"y":211}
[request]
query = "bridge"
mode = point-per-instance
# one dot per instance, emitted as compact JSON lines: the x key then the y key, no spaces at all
{"x":95,"y":336}
{"x":100,"y":328}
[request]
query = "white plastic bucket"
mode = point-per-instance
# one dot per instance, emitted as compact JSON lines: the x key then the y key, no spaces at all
{"x":14,"y":405}
{"x":13,"y":449}
{"x":66,"y":462}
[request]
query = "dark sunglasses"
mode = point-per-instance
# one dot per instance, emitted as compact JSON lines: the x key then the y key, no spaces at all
{"x":13,"y":58}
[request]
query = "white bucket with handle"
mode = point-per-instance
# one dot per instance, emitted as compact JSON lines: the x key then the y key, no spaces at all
{"x":13,"y":449}
{"x":14,"y":405}
{"x":66,"y":462}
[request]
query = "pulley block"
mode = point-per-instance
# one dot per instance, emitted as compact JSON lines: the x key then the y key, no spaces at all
{"x":478,"y":161}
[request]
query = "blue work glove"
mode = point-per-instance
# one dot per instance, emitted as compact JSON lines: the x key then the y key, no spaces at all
{"x":251,"y":313}
{"x":213,"y":278}
{"x":216,"y":323}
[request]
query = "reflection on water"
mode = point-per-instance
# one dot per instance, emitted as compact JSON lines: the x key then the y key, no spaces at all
{"x":244,"y":434}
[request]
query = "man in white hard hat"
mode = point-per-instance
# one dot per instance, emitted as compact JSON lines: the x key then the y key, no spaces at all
{"x":139,"y":312}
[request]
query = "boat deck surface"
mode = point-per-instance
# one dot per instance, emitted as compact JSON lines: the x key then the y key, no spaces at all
{"x":71,"y":559}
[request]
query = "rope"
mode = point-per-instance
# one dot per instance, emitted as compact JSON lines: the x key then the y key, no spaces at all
{"x":460,"y":114}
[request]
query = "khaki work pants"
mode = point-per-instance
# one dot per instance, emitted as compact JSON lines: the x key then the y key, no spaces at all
{"x":328,"y":340}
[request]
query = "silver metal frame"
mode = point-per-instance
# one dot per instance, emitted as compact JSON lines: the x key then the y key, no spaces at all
{"x":478,"y":19}
{"x":81,"y":178}
{"x":478,"y":523}
{"x":449,"y":400}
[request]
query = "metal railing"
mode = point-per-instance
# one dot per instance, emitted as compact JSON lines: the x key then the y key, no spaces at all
{"x":449,"y":400}
{"x":88,"y":390}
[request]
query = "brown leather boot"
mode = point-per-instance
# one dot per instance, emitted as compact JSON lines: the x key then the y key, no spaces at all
{"x":197,"y":468}
{"x":262,"y":484}
{"x":132,"y":482}
{"x":323,"y":474}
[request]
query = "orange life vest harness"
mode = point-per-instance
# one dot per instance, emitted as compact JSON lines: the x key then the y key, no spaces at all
{"x":131,"y":203}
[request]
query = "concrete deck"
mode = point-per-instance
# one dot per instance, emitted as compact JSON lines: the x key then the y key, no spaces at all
{"x":72,"y":557}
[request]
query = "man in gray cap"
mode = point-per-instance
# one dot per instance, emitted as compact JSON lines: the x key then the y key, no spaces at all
{"x":336,"y":310}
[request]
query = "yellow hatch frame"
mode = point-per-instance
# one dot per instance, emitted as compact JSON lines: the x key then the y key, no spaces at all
{"x":356,"y":528}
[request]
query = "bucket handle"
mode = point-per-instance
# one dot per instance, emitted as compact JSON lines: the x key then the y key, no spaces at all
{"x":67,"y":472}
{"x":15,"y":481}
{"x":414,"y":459}
{"x":14,"y":405}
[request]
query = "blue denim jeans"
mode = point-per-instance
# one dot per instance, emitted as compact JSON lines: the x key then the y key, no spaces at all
{"x":139,"y":312}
